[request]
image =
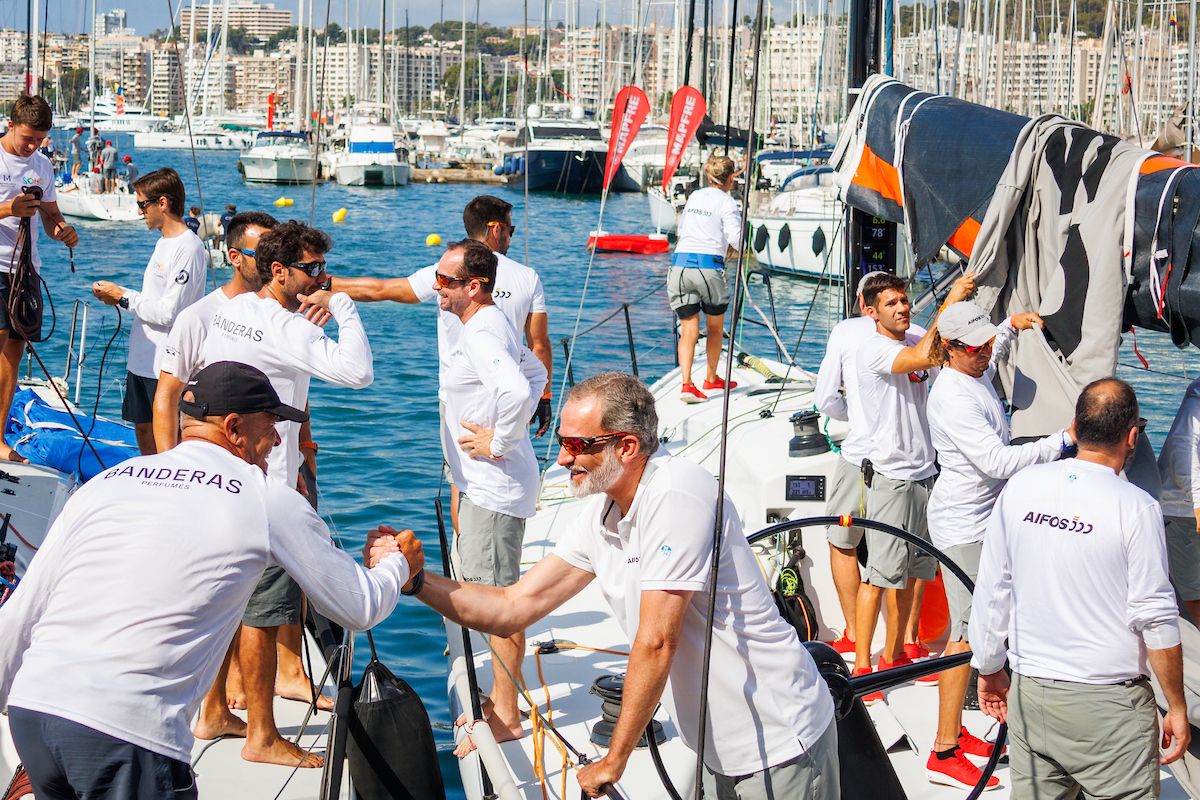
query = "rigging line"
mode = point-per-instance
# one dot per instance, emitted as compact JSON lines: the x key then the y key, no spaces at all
{"x":312,"y":201}
{"x":99,"y":385}
{"x":304,"y":723}
{"x":719,"y":514}
{"x":729,"y":67}
{"x":687,"y":59}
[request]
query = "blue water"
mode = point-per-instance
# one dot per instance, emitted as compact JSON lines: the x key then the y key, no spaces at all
{"x":380,"y":459}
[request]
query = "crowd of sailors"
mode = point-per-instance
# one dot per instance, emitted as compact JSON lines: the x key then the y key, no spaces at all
{"x":216,"y":522}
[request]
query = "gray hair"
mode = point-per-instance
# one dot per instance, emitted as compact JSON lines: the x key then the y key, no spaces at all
{"x":626,"y":405}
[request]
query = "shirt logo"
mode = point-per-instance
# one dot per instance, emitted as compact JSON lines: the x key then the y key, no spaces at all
{"x":167,"y":478}
{"x":665,"y":550}
{"x":1069,"y":524}
{"x":631,"y":560}
{"x":503,"y":294}
{"x":182,"y":277}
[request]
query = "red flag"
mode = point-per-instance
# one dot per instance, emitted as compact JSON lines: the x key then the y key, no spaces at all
{"x":271,"y":111}
{"x":687,"y":110}
{"x":629,"y":112}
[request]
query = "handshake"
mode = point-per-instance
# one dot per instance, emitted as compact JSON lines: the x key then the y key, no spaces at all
{"x":385,"y":542}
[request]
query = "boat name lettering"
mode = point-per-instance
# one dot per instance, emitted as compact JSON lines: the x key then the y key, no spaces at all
{"x":1071,"y":524}
{"x":237,"y":329}
{"x":176,"y":477}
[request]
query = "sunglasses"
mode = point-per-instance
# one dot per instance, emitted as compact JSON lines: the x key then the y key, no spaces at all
{"x":246,"y":252}
{"x":972,"y":349}
{"x":511,"y":228}
{"x":918,"y":377}
{"x":310,"y":268}
{"x":578,"y":445}
{"x":446,"y":281}
{"x":141,"y":204}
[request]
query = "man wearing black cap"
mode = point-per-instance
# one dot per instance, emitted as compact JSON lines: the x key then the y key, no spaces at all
{"x":140,"y":585}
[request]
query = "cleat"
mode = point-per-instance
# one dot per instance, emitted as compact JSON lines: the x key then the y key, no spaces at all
{"x":690,"y":394}
{"x":956,"y":771}
{"x":874,"y":697}
{"x":718,"y":384}
{"x":976,"y":750}
{"x":843,"y":645}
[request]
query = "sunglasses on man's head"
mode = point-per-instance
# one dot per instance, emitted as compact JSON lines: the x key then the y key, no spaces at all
{"x":446,"y":281}
{"x":972,"y":349}
{"x":310,"y":268}
{"x":918,"y":377}
{"x":511,"y":228}
{"x":578,"y":445}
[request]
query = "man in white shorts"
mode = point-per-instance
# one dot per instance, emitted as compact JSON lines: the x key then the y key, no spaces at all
{"x":1179,"y":469}
{"x":646,"y":538}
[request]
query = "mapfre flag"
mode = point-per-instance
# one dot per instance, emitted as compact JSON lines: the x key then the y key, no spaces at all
{"x":687,"y":110}
{"x":629,"y":112}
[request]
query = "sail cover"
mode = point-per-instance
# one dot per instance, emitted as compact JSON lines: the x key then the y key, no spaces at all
{"x":1092,"y":232}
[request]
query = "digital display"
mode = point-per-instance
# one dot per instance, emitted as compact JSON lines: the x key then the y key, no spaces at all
{"x":805,"y":487}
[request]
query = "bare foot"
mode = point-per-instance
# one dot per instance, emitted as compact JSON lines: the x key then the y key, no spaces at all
{"x":300,"y":693}
{"x":236,"y":700}
{"x":8,"y":454}
{"x":501,"y":731}
{"x":284,"y":753}
{"x":222,"y":724}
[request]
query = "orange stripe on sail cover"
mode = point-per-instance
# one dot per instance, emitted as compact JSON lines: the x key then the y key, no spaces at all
{"x":879,"y":176}
{"x":1159,"y":163}
{"x":963,"y":239}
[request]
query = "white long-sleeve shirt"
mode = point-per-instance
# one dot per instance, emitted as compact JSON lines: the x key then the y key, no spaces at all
{"x":291,"y":350}
{"x":1074,"y":576}
{"x":124,"y":616}
{"x":174,"y":279}
{"x":484,"y":383}
{"x":970,"y":433}
{"x":1179,"y":460}
{"x":710,"y":224}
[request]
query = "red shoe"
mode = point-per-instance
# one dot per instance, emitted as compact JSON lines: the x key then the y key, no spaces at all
{"x":690,"y":394}
{"x":916,"y":650}
{"x":843,"y":645}
{"x":874,"y":697}
{"x":901,"y":661}
{"x":719,"y":383}
{"x":975,"y":749}
{"x":956,"y":771}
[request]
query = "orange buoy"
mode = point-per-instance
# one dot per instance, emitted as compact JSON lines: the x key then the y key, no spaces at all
{"x":935,"y":613}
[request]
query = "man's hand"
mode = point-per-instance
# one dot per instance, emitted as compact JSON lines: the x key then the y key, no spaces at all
{"x":962,"y":289}
{"x":66,"y":234}
{"x":1176,"y":735}
{"x":1195,"y":511}
{"x":385,"y":541}
{"x":541,"y":416}
{"x":310,"y":458}
{"x":108,"y":292}
{"x":23,"y":205}
{"x":1024,"y":322}
{"x":318,"y":298}
{"x":599,"y":774}
{"x":380,"y":545}
{"x":993,"y":695}
{"x":477,"y":444}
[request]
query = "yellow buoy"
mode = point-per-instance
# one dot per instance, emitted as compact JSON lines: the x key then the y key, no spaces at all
{"x":432,"y":240}
{"x":283,"y":201}
{"x":339,"y":215}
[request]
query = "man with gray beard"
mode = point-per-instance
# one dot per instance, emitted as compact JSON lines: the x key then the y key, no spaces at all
{"x":646,"y":537}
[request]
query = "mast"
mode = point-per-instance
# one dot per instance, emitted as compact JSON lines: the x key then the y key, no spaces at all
{"x":1191,"y":104}
{"x":298,"y":92}
{"x":33,"y":81}
{"x":382,"y":50}
{"x":462,"y":77}
{"x":92,"y":72}
{"x":224,"y":50}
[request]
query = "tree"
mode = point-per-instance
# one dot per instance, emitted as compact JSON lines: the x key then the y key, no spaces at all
{"x":71,"y":89}
{"x":239,"y":41}
{"x":285,"y":35}
{"x":333,"y":34}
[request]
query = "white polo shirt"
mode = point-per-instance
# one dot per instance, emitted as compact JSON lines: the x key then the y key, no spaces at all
{"x":15,"y":174}
{"x":174,"y":279}
{"x":287,"y":347}
{"x":126,"y":611}
{"x":767,"y":701}
{"x":1074,"y":577}
{"x":484,"y":382}
{"x":898,"y":442}
{"x":518,"y":294}
{"x":183,"y":353}
{"x":969,"y":430}
{"x":1179,"y":460}
{"x":711,"y":223}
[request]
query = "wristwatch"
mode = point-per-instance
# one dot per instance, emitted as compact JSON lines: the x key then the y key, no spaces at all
{"x":124,"y":302}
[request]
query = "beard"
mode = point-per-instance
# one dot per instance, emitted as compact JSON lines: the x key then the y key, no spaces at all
{"x":600,"y":479}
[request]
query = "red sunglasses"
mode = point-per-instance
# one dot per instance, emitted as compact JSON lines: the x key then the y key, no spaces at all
{"x":446,"y":281}
{"x":578,"y":445}
{"x":972,"y":349}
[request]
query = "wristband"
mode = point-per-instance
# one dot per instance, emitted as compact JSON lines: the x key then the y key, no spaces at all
{"x":308,"y":446}
{"x":418,"y":583}
{"x":547,"y":396}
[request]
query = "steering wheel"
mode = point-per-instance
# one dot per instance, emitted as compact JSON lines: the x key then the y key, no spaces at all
{"x":876,"y":681}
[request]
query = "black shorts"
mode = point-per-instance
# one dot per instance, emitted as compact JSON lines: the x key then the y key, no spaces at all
{"x":138,"y":407}
{"x":66,"y":760}
{"x":5,"y":322}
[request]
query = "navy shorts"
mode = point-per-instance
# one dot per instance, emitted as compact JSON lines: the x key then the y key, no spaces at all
{"x":66,"y":761}
{"x":5,"y":322}
{"x":138,"y":406}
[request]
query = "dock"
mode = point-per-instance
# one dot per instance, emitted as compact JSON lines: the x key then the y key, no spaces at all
{"x":459,"y":175}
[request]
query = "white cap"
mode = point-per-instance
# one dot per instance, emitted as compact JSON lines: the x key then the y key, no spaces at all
{"x":863,"y":279}
{"x":967,"y":323}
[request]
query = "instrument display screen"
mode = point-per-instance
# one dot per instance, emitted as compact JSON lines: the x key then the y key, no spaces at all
{"x":805,"y":487}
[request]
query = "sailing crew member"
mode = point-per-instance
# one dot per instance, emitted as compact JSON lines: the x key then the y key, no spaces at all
{"x":184,"y":536}
{"x":193,"y":219}
{"x":265,"y":330}
{"x":646,"y":538}
{"x":108,"y":165}
{"x":836,"y":396}
{"x":1179,"y":469}
{"x":487,"y":395}
{"x":94,"y":145}
{"x":21,"y":165}
{"x":709,"y":227}
{"x":230,"y":211}
{"x":76,"y":151}
{"x":518,"y":291}
{"x":131,"y":171}
{"x":892,"y":368}
{"x":174,"y":279}
{"x":969,"y":429}
{"x":1080,"y":710}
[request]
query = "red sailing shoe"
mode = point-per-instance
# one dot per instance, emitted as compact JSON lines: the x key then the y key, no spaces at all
{"x":975,"y":749}
{"x":956,"y":771}
{"x":916,"y":650}
{"x":719,"y":383}
{"x":874,"y":697}
{"x":843,"y":645}
{"x":690,"y":394}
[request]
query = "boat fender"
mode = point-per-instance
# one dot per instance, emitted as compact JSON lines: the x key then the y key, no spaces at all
{"x":391,"y":749}
{"x":498,"y":169}
{"x":761,"y":238}
{"x":339,"y":215}
{"x":433,"y":240}
{"x":785,"y":237}
{"x":818,"y":241}
{"x":519,"y":165}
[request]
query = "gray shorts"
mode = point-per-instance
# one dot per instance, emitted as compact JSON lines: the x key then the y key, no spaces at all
{"x":276,"y":600}
{"x":812,"y":775}
{"x":957,"y":596}
{"x":848,"y":495}
{"x":1183,"y":556}
{"x":489,"y":544}
{"x":1066,"y":736}
{"x":692,"y":290}
{"x":891,"y":561}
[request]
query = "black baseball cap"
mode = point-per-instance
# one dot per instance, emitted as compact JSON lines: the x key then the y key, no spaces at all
{"x":229,"y":387}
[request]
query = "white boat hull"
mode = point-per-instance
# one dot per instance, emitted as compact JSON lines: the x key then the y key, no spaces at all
{"x":283,"y":169}
{"x":806,"y":239}
{"x":77,"y":201}
{"x":663,"y":214}
{"x":200,"y":140}
{"x":372,"y":174}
